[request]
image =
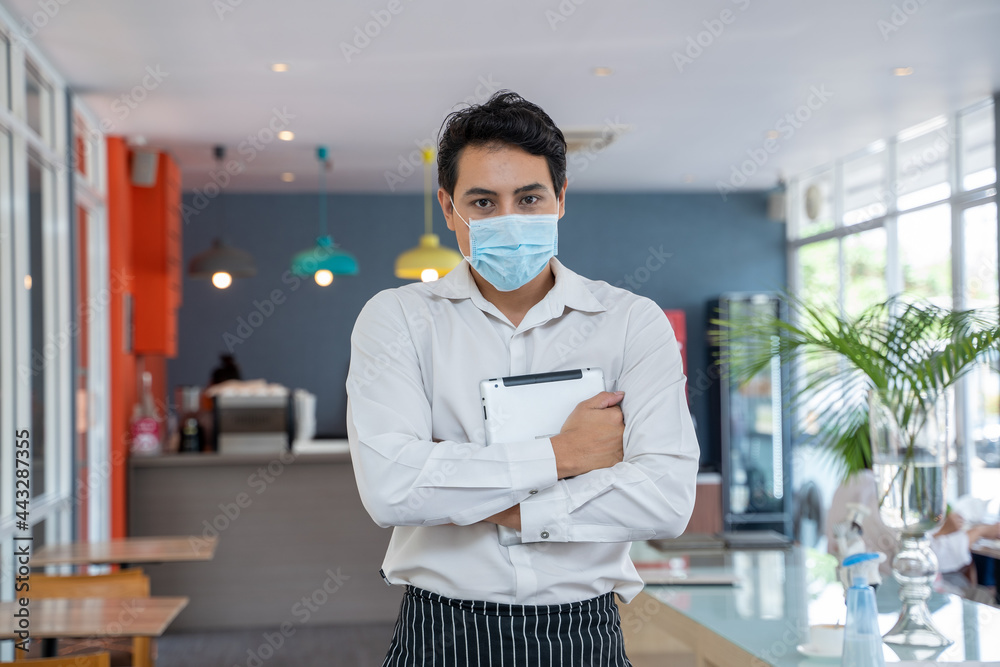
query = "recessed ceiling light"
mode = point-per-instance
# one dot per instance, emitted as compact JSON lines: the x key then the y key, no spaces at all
{"x":286,"y":135}
{"x":772,"y":134}
{"x":279,"y":67}
{"x":288,"y":177}
{"x":688,"y":178}
{"x":603,"y":71}
{"x":902,"y":71}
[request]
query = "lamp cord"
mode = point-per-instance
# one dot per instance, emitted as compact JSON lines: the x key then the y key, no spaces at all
{"x":428,"y":209}
{"x":323,"y":229}
{"x":220,"y":155}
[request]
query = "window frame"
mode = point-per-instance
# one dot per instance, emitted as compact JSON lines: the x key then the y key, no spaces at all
{"x":958,"y":202}
{"x":55,"y":507}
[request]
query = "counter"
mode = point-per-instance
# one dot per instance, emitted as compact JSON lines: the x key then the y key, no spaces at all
{"x":295,"y":543}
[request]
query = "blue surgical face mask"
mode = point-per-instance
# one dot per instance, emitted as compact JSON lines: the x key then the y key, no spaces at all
{"x":510,"y":250}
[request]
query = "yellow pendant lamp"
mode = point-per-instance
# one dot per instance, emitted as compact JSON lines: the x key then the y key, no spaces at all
{"x":429,"y":260}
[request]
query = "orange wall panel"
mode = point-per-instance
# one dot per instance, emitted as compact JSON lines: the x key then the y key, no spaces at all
{"x":123,"y":380}
{"x":156,"y":257}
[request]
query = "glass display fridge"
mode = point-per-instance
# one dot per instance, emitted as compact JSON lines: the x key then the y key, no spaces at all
{"x":753,"y":433}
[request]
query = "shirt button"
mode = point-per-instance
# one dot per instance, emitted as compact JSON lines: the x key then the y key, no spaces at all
{"x":533,"y":491}
{"x":545,"y":534}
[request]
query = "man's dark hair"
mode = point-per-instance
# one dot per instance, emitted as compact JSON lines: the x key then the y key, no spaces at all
{"x":506,"y":118}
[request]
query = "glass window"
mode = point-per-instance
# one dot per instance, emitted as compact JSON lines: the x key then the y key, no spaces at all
{"x":980,"y":225}
{"x":4,"y":71}
{"x":7,"y":494}
{"x":910,"y":252}
{"x":34,"y":283}
{"x":976,"y":131}
{"x":922,"y":168}
{"x":819,"y":278}
{"x":85,"y":150}
{"x":865,"y":190}
{"x":815,"y":205}
{"x":81,"y":374}
{"x":983,"y":385}
{"x":864,"y":270}
{"x":38,"y":103}
{"x":925,"y":254}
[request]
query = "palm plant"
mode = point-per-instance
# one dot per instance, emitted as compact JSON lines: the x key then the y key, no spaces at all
{"x":908,"y":351}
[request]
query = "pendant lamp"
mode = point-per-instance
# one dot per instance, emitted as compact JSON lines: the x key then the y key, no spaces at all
{"x":324,"y":260}
{"x":428,"y":261}
{"x":221,"y":263}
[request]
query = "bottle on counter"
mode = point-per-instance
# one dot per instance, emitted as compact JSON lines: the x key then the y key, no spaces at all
{"x":862,"y":639}
{"x":146,"y":427}
{"x":192,"y":433}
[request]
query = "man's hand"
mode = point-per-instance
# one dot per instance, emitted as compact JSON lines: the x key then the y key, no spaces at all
{"x":592,"y":436}
{"x":510,"y":517}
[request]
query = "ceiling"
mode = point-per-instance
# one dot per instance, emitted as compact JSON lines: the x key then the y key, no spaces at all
{"x":695,"y":89}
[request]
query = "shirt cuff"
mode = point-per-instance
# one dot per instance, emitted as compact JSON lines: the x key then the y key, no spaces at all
{"x":545,"y":516}
{"x":532,"y":466}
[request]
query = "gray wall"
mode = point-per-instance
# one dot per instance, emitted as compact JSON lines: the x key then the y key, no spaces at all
{"x":304,"y":341}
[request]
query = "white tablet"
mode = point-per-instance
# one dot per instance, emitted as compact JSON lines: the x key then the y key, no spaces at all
{"x":527,"y":407}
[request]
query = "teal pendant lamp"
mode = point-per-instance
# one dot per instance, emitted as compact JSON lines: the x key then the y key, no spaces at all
{"x":324,"y":260}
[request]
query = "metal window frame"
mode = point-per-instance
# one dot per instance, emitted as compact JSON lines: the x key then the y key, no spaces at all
{"x":54,"y":506}
{"x":958,"y":201}
{"x":90,"y":193}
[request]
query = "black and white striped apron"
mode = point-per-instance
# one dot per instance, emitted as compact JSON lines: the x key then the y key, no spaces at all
{"x":434,"y":631}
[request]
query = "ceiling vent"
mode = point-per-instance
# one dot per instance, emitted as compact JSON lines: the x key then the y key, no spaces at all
{"x":594,"y":139}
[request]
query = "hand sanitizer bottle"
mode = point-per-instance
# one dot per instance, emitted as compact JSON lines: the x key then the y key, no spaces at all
{"x":862,"y":640}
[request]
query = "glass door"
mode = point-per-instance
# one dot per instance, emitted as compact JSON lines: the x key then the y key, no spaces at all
{"x":754,"y":442}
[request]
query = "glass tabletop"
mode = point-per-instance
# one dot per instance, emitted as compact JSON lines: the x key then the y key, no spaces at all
{"x":780,"y":593}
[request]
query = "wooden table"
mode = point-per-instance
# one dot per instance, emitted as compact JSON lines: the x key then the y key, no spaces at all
{"x":58,"y":618}
{"x":128,"y":551}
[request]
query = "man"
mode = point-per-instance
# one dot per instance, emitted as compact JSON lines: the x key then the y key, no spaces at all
{"x":511,"y":553}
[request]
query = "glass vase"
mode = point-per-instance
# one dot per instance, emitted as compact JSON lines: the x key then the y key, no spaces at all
{"x":910,"y":434}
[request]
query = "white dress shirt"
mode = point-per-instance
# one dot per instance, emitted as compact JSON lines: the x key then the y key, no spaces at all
{"x":415,"y":424}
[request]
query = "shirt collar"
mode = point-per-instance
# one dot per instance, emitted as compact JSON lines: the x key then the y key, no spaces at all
{"x":570,"y":290}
